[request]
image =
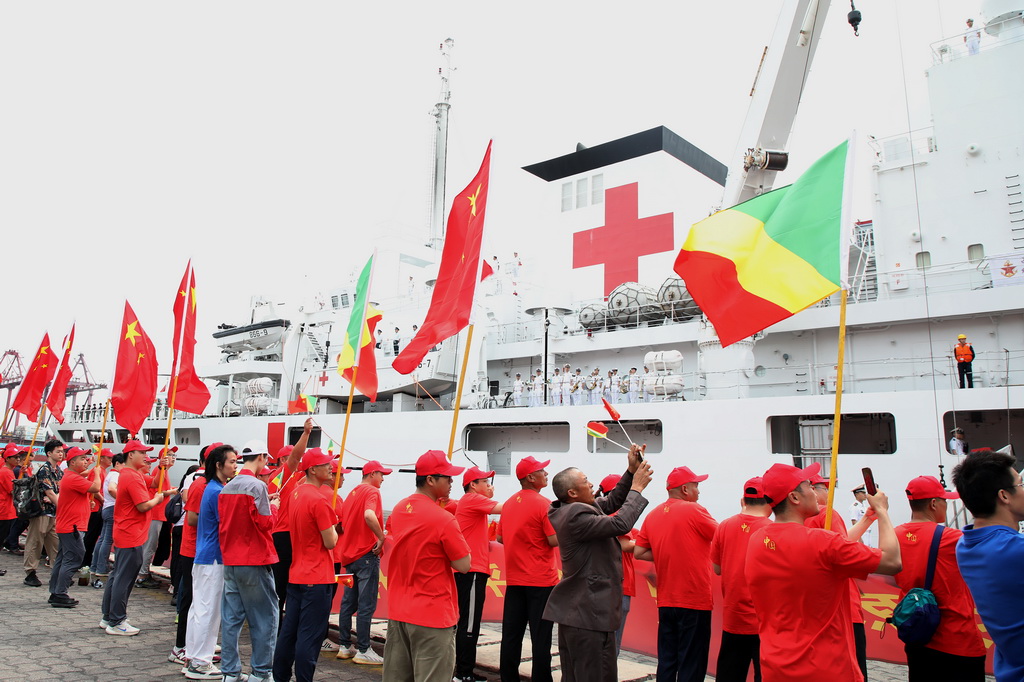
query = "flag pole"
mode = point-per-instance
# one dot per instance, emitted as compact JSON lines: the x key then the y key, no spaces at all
{"x":344,"y":434}
{"x":103,"y":429}
{"x":28,"y":455}
{"x":3,"y":426}
{"x":458,"y":395}
{"x":167,"y":435}
{"x":839,"y":409}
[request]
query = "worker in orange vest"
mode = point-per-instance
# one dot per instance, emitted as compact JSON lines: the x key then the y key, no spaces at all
{"x":964,"y":353}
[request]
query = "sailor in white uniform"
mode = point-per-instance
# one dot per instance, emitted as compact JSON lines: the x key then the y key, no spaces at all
{"x":607,"y":386}
{"x":537,"y":394}
{"x":633,"y":385}
{"x":595,"y":386}
{"x":566,"y":385}
{"x":645,"y":396}
{"x":576,"y":387}
{"x":857,"y":511}
{"x":555,"y":394}
{"x":517,"y":390}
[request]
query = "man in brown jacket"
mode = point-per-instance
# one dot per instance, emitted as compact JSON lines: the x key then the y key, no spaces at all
{"x":587,"y":602}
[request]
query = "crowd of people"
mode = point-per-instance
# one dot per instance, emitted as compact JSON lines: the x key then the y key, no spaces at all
{"x":268,"y":540}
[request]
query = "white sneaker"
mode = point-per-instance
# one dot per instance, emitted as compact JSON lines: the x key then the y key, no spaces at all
{"x":203,"y":672}
{"x":124,"y":628}
{"x":347,"y":653}
{"x":328,"y":645}
{"x":104,"y":624}
{"x":368,"y":657}
{"x":177,"y":655}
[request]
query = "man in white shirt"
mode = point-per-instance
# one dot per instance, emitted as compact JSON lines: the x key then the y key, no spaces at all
{"x":973,"y":38}
{"x":517,"y":390}
{"x":957,"y":444}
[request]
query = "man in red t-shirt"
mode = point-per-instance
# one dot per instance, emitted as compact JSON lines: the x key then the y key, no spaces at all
{"x":799,"y":582}
{"x":362,"y":517}
{"x":956,"y":651}
{"x":7,"y":512}
{"x":422,"y":601}
{"x":676,"y":535}
{"x":288,"y":458}
{"x":72,"y":521}
{"x":159,"y":476}
{"x":740,"y":643}
{"x":530,"y":572}
{"x":311,"y":576}
{"x":95,"y":525}
{"x":131,"y":527}
{"x":471,"y":513}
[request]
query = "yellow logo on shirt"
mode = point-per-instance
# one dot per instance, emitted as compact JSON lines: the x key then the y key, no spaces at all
{"x":769,"y":543}
{"x":911,"y":537}
{"x":408,"y":507}
{"x":665,"y":509}
{"x":519,"y":498}
{"x":745,"y":528}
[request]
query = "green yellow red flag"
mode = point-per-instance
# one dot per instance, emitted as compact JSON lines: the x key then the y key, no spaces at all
{"x":761,"y":261}
{"x":357,"y":350}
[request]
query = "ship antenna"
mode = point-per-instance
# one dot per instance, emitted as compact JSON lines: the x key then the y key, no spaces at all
{"x":440,"y":114}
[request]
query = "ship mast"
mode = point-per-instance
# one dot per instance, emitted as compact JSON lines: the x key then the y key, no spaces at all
{"x":440,"y":115}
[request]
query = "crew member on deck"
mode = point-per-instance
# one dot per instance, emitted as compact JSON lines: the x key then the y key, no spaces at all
{"x":537,"y":394}
{"x":517,"y":390}
{"x":957,"y":445}
{"x":964,"y":353}
{"x":556,"y":388}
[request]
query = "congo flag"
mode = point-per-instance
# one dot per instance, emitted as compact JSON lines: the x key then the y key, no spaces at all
{"x":360,"y":335}
{"x":768,"y":258}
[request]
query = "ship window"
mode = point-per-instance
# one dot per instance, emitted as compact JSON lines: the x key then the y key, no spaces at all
{"x":984,"y":428}
{"x":566,"y":196}
{"x":122,"y":435}
{"x":154,"y":436}
{"x":581,"y":193}
{"x":597,"y":189}
{"x":344,"y":300}
{"x":314,"y":437}
{"x":923,"y":259}
{"x":975,"y":253}
{"x":335,"y":302}
{"x":808,"y":437}
{"x":517,"y":438}
{"x":69,"y":436}
{"x":94,"y":436}
{"x":640,"y":430}
{"x":186,"y":436}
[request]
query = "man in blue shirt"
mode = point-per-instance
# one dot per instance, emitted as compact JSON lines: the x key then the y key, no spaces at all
{"x":208,"y":571}
{"x":991,"y":552}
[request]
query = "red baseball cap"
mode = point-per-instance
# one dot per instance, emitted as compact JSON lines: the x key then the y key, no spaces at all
{"x":474,"y":474}
{"x":334,"y":467}
{"x":168,"y":451}
{"x":265,"y":471}
{"x":75,"y":452}
{"x":529,"y":465}
{"x":314,"y":457}
{"x":681,"y":476}
{"x":135,"y":446}
{"x":11,"y":450}
{"x":753,"y":489}
{"x":817,"y":479}
{"x":105,"y":452}
{"x":282,"y":453}
{"x":374,"y":466}
{"x":782,"y":479}
{"x":927,"y":487}
{"x":610,"y":481}
{"x":435,"y":463}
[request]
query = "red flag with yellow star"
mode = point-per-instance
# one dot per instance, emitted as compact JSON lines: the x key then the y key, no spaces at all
{"x":57,"y":397}
{"x":452,"y":301}
{"x":134,"y":390}
{"x":40,"y":372}
{"x":190,"y":393}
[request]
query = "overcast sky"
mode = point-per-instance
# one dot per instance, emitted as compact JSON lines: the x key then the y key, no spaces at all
{"x":273,"y":143}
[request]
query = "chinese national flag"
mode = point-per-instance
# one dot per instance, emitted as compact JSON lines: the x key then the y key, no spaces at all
{"x":190,"y":393}
{"x":42,"y":369}
{"x":134,"y":389}
{"x":57,"y":397}
{"x":452,"y":301}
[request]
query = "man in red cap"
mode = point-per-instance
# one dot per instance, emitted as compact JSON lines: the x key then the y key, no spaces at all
{"x":587,"y":602}
{"x":422,"y":601}
{"x":677,"y":536}
{"x":288,"y":459}
{"x":362,"y":517}
{"x":158,"y":481}
{"x":530,"y":572}
{"x":799,"y":582}
{"x":956,"y":651}
{"x":72,"y":522}
{"x":8,"y":515}
{"x":131,"y":526}
{"x":740,"y":643}
{"x":337,"y":503}
{"x":471,"y":513}
{"x":311,"y":577}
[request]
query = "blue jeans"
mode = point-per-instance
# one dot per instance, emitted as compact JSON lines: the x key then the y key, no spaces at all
{"x":101,"y":553}
{"x":684,"y":637}
{"x":362,"y":596}
{"x":68,"y":559}
{"x":248,"y":596}
{"x":302,"y":631}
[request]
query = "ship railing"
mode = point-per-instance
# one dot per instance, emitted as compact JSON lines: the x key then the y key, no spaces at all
{"x":955,"y":47}
{"x":903,"y":148}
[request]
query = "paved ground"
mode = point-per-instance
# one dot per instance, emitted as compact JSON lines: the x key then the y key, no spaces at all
{"x":42,"y":643}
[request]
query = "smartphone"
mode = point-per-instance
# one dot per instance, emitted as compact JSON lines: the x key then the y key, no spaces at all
{"x":869,"y":481}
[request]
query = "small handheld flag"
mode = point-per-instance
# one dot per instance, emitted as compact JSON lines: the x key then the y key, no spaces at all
{"x":599,"y":430}
{"x":614,"y":414}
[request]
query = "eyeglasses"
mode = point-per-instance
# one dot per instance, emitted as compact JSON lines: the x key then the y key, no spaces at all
{"x":1015,"y":485}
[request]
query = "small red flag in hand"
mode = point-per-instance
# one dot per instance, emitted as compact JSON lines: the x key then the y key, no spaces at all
{"x":597,"y":429}
{"x":346,"y":580}
{"x":611,"y":410}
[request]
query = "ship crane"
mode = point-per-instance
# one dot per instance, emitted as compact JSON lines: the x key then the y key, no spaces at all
{"x":12,"y":371}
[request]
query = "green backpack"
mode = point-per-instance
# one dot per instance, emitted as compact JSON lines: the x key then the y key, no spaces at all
{"x":916,"y":616}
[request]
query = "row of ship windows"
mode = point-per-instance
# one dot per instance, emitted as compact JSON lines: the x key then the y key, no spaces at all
{"x":583,"y":192}
{"x":975,"y":255}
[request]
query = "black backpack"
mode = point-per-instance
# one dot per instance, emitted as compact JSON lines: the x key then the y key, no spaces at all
{"x":26,"y":497}
{"x":175,"y":508}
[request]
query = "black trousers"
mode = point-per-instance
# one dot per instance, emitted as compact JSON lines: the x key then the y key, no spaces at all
{"x":18,"y":527}
{"x":736,"y":655}
{"x":5,"y":530}
{"x":684,"y":640}
{"x":176,"y":532}
{"x":966,"y":372}
{"x":92,"y":534}
{"x":928,"y":665}
{"x":472,"y":589}
{"x":524,"y":605}
{"x":860,"y":640}
{"x":283,"y":546}
{"x":587,"y":655}
{"x":183,"y":591}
